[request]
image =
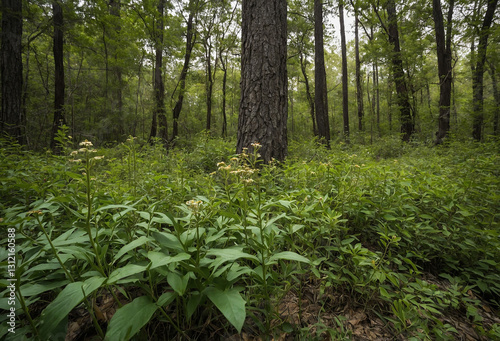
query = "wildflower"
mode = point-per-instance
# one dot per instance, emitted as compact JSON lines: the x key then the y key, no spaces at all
{"x":82,"y":150}
{"x":74,"y":152}
{"x":248,"y":181}
{"x":70,"y":137}
{"x":194,"y":205}
{"x":1,"y":220}
{"x":76,"y":160}
{"x":212,"y":174}
{"x":221,"y":164}
{"x":86,"y":143}
{"x":35,"y":212}
{"x":93,"y":151}
{"x":357,"y":166}
{"x":99,"y":157}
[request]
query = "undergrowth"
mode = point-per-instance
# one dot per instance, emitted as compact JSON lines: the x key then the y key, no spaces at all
{"x":198,"y":243}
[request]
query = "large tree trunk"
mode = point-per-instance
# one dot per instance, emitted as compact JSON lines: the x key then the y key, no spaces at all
{"x":345,"y":84}
{"x":478,"y":75}
{"x":58,"y":48}
{"x":443,"y":44}
{"x":190,"y":40}
{"x":407,"y":119}
{"x":11,"y":120}
{"x":320,"y":92}
{"x":264,"y":92}
{"x":359,"y":85}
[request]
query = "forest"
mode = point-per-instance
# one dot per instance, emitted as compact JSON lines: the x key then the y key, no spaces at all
{"x":249,"y":170}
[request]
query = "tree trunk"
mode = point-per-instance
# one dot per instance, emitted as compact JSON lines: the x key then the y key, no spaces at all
{"x":119,"y":129}
{"x":443,"y":44}
{"x":224,"y":90}
{"x":320,"y":92}
{"x":407,"y":119}
{"x":309,"y":96}
{"x":264,"y":99}
{"x":496,"y":95}
{"x":12,"y":118}
{"x":345,"y":85}
{"x":59,"y":117}
{"x":159,"y":82}
{"x":190,"y":40}
{"x":478,"y":75}
{"x":359,"y":85}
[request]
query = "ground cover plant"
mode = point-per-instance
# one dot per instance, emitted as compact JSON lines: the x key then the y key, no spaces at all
{"x":355,"y":242}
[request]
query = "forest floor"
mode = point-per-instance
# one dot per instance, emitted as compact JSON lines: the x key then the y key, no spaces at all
{"x":388,"y":241}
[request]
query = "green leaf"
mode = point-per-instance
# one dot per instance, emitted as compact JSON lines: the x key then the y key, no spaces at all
{"x":127,"y":270}
{"x":67,"y":299}
{"x":166,"y":298}
{"x":168,"y":240}
{"x":228,"y":255}
{"x":178,"y":283}
{"x":289,"y":255}
{"x":132,"y":245}
{"x":129,"y":319}
{"x":230,"y":303}
{"x":160,"y":259}
{"x":389,"y":217}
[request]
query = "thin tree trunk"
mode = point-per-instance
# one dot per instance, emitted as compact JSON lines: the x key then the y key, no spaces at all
{"x":224,"y":90}
{"x":496,"y":95}
{"x":159,"y":82}
{"x":190,"y":40}
{"x":58,"y":48}
{"x":478,"y":75}
{"x":359,"y":85}
{"x":407,"y":119}
{"x":320,"y":92}
{"x":345,"y":85}
{"x":309,"y":96}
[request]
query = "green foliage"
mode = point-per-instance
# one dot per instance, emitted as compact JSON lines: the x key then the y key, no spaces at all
{"x":200,"y":235}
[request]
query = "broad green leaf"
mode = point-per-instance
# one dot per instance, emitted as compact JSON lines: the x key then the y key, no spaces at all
{"x":160,"y":259}
{"x":168,"y":240}
{"x":108,"y":207}
{"x":129,"y":319}
{"x":130,"y":246}
{"x":67,"y":299}
{"x":228,"y":255}
{"x":389,"y":217}
{"x":32,"y":289}
{"x":127,"y":270}
{"x":230,"y":303}
{"x":166,"y":298}
{"x":289,"y":255}
{"x":177,"y":282}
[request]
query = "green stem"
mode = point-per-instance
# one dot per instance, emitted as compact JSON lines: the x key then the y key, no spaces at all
{"x":54,"y":249}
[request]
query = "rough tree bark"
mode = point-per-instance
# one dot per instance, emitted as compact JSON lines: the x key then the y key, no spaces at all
{"x":58,"y":48}
{"x":264,"y":95}
{"x":11,"y":119}
{"x":320,"y":91}
{"x":478,"y":75}
{"x":407,"y":119}
{"x":444,"y":66}
{"x":190,"y":41}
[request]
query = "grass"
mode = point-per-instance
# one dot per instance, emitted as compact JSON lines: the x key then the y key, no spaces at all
{"x":198,"y":243}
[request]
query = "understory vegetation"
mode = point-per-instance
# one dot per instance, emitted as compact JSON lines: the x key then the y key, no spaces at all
{"x":199,"y":243}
